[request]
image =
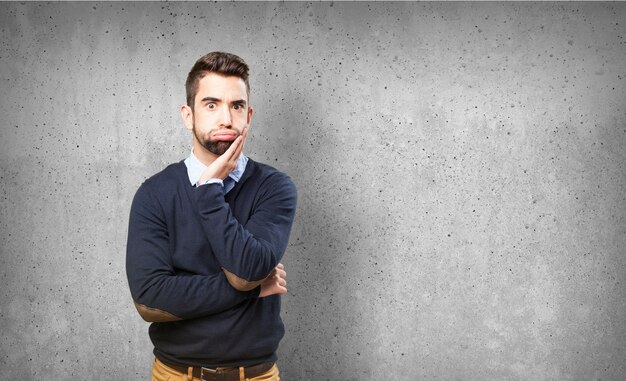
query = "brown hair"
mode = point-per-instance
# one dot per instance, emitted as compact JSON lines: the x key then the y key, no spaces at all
{"x":226,"y":64}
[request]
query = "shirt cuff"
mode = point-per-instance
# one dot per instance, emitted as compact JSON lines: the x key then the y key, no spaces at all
{"x":211,"y":181}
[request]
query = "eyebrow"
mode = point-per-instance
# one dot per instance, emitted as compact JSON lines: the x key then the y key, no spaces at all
{"x":211,"y":99}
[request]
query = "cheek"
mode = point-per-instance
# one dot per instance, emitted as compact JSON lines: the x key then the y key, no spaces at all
{"x":240,"y":120}
{"x":205,"y":120}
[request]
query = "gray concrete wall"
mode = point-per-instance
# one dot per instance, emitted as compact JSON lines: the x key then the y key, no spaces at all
{"x":461,"y":175}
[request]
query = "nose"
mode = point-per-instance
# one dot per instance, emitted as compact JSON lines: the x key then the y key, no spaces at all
{"x":226,"y":120}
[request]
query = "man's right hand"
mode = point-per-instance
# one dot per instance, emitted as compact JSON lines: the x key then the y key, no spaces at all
{"x":275,"y":284}
{"x":226,"y":163}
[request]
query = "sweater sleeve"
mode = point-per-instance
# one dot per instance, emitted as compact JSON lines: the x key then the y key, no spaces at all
{"x":248,"y":253}
{"x":158,"y":292}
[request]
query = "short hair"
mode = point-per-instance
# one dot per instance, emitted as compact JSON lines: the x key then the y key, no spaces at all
{"x":225,"y":64}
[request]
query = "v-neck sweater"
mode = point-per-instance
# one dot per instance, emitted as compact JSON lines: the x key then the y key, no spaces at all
{"x":180,"y":238}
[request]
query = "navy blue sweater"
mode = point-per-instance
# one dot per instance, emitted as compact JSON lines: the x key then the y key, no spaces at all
{"x":180,"y":241}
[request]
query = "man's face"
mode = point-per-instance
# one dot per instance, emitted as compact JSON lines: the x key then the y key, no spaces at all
{"x":221,"y":112}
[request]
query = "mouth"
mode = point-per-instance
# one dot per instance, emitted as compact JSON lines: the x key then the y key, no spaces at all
{"x":225,"y":136}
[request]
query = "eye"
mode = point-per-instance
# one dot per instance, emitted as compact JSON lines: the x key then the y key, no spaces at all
{"x":211,"y":106}
{"x":237,"y":106}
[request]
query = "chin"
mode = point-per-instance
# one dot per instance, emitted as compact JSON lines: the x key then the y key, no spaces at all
{"x":217,"y":147}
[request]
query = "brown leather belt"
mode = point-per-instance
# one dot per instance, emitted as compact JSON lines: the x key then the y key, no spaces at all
{"x":231,"y":374}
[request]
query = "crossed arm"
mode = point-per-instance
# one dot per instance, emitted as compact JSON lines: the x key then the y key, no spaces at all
{"x":249,"y":255}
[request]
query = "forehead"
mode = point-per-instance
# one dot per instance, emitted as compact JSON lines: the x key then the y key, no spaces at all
{"x":222,"y":87}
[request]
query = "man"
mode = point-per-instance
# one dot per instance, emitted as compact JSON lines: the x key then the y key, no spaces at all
{"x":205,"y":239}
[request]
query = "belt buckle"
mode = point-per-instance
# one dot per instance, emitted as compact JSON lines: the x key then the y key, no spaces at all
{"x":213,"y":372}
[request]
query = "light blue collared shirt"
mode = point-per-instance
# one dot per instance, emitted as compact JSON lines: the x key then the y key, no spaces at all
{"x":195,"y":168}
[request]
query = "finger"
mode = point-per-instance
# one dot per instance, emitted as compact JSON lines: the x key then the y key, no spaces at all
{"x":239,"y":147}
{"x":281,"y":290}
{"x":282,"y":282}
{"x":245,"y":138}
{"x":280,"y":266}
{"x":281,"y":273}
{"x":230,"y":152}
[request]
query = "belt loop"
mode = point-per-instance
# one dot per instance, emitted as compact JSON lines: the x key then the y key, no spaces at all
{"x":241,"y":374}
{"x":190,"y":373}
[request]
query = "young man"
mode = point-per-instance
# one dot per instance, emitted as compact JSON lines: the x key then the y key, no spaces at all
{"x":205,"y":239}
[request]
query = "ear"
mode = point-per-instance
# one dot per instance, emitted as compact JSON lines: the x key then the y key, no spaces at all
{"x":187,"y":115}
{"x":250,"y":112}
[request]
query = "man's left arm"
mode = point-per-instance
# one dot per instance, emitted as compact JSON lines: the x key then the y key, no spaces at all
{"x":249,"y":253}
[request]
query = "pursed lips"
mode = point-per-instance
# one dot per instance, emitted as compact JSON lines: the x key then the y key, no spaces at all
{"x":225,"y":135}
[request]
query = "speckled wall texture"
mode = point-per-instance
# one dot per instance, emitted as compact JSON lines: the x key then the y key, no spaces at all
{"x":461,"y":171}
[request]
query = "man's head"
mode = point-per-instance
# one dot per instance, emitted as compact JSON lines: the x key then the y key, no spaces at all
{"x":217,"y":109}
{"x":225,"y":64}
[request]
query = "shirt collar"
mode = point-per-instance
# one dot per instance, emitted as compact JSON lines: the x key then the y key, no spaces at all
{"x":195,"y":168}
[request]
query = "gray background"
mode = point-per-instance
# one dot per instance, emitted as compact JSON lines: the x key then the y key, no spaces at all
{"x":461,"y":176}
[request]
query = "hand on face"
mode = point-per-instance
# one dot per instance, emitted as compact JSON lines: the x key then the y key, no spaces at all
{"x":217,"y":141}
{"x":221,"y":167}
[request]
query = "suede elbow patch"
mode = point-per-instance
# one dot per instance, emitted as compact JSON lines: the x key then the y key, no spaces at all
{"x":155,"y":315}
{"x":241,"y":284}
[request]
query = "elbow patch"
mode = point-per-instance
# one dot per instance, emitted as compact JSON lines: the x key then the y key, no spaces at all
{"x":241,"y":284}
{"x":155,"y":315}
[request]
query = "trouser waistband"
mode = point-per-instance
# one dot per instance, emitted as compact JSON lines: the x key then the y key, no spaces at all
{"x":219,"y":374}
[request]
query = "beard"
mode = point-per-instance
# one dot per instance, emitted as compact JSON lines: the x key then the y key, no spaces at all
{"x":217,"y":147}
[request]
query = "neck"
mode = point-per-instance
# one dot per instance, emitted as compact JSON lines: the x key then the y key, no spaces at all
{"x":206,"y":157}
